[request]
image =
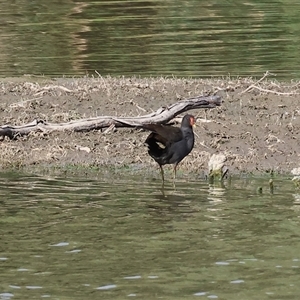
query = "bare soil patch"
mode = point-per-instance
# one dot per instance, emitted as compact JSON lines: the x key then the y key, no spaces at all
{"x":256,"y":127}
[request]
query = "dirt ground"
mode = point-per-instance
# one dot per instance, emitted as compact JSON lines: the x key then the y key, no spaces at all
{"x":256,"y":127}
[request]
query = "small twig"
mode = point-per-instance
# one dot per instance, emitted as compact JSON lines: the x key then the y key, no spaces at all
{"x":142,"y":109}
{"x":99,"y":75}
{"x":257,"y":82}
{"x":21,"y":103}
{"x":49,"y":87}
{"x":274,"y":92}
{"x":202,"y":144}
{"x":133,"y":103}
{"x":109,"y":129}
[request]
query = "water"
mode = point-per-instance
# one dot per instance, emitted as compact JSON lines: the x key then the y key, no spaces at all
{"x":112,"y":238}
{"x":190,"y":38}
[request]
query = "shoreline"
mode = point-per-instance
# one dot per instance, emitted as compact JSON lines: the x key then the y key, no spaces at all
{"x":256,"y":127}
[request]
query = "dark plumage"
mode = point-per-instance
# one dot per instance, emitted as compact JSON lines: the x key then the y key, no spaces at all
{"x":169,"y":145}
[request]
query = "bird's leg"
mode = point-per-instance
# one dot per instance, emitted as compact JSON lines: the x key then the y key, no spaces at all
{"x":162,"y":173}
{"x":162,"y":177}
{"x":174,"y":175}
{"x":174,"y":172}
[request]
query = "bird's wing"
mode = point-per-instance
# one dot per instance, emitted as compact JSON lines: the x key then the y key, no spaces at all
{"x":165,"y":134}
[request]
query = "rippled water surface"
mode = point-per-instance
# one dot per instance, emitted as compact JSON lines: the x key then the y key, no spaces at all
{"x":183,"y":38}
{"x":78,"y":238}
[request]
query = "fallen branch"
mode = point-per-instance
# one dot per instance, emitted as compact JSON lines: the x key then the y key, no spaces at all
{"x":161,"y":116}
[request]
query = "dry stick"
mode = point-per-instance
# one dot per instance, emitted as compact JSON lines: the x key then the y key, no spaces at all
{"x":162,"y":116}
{"x":274,"y":92}
{"x":132,"y":102}
{"x":254,"y":85}
{"x":49,"y":87}
{"x":21,"y":103}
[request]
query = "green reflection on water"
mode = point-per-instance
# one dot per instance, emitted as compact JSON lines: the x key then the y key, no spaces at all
{"x":190,"y":38}
{"x":81,"y":238}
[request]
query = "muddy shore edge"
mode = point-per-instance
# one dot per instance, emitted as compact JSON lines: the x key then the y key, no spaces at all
{"x":256,"y":127}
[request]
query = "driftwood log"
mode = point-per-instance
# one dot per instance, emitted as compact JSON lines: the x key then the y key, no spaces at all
{"x":162,"y":116}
